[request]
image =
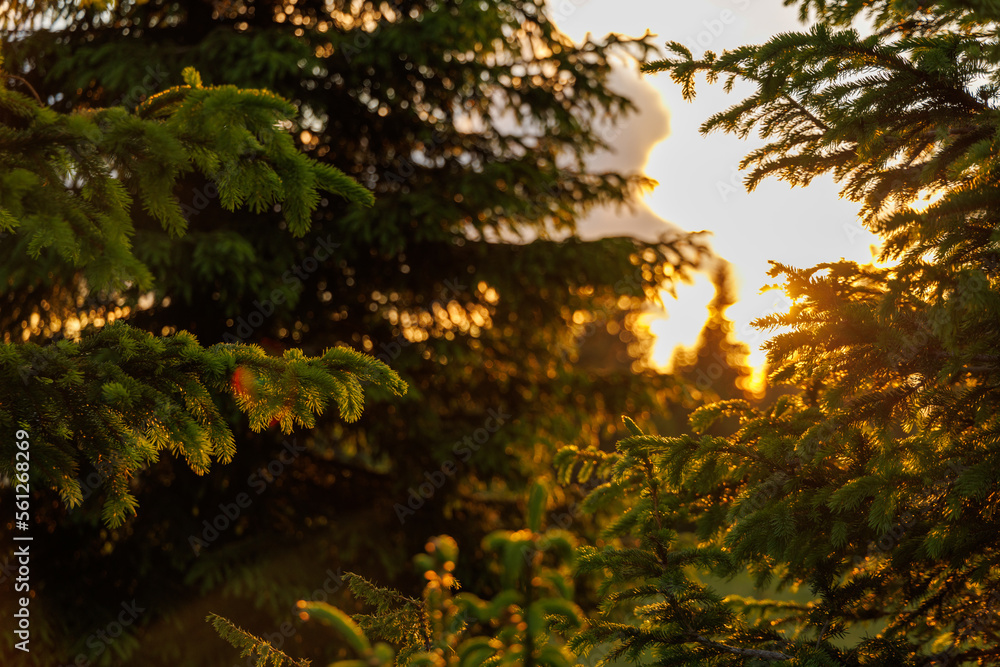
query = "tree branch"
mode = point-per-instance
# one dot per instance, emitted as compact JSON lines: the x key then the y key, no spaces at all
{"x":748,"y":652}
{"x":25,"y":82}
{"x":808,"y":114}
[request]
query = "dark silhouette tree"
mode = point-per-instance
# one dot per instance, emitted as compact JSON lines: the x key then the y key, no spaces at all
{"x":471,"y":123}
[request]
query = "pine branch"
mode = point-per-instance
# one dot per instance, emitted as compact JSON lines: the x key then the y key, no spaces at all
{"x":805,"y":112}
{"x":252,"y":646}
{"x":118,"y":397}
{"x":748,"y":652}
{"x":79,"y":175}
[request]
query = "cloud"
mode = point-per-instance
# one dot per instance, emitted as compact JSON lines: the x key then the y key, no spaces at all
{"x":631,"y":142}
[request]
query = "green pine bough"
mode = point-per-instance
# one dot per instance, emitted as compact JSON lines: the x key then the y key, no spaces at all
{"x":874,"y":483}
{"x":118,"y":397}
{"x":860,"y":508}
{"x":69,"y":182}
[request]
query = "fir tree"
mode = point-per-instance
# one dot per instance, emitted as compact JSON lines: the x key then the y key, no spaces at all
{"x":874,"y":485}
{"x":654,"y":610}
{"x":398,"y":95}
{"x":113,"y":398}
{"x":717,"y":365}
{"x":119,"y":396}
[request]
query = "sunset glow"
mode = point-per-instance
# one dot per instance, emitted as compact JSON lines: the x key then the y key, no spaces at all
{"x":926,"y":200}
{"x":680,"y":321}
{"x":701,"y":187}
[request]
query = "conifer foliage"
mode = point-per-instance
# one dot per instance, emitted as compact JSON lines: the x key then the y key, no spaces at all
{"x":652,"y":606}
{"x":70,"y":181}
{"x":525,"y":623}
{"x":875,"y":483}
{"x":870,"y":487}
{"x":118,"y":396}
{"x":253,"y":647}
{"x":403,"y":96}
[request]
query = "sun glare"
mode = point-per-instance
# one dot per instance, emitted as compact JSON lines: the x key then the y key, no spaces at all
{"x":758,"y":365}
{"x":680,"y":321}
{"x":925,"y":201}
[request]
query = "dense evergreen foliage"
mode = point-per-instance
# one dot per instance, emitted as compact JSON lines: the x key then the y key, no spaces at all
{"x":507,"y":348}
{"x":119,"y":396}
{"x":869,"y":489}
{"x":860,"y":503}
{"x":111,"y":401}
{"x":875,"y":484}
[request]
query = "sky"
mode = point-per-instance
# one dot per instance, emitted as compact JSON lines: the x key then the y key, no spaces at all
{"x":700,"y":186}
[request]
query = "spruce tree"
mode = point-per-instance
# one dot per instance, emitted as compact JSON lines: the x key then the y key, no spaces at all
{"x":113,"y":398}
{"x":717,"y":364}
{"x":873,"y":484}
{"x":397,"y":95}
{"x":118,"y":396}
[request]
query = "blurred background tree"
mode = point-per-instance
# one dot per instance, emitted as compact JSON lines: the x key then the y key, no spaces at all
{"x":470,"y":122}
{"x":716,"y":367}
